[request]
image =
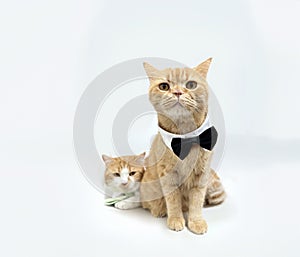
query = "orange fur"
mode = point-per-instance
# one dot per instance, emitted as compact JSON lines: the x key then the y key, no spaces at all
{"x":134,"y":163}
{"x":170,"y":185}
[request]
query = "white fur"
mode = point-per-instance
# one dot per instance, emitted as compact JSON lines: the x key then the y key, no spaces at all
{"x":124,"y":184}
{"x":124,"y":174}
{"x":130,"y":203}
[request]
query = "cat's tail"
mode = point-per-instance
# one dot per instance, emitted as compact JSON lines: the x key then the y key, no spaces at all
{"x":215,"y":193}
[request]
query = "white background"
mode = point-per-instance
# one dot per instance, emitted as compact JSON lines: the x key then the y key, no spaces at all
{"x":51,"y":50}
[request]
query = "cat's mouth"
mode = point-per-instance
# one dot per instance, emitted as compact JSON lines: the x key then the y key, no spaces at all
{"x":178,"y":103}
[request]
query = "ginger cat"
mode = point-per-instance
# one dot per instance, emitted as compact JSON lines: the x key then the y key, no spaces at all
{"x":122,"y":177}
{"x":181,"y":180}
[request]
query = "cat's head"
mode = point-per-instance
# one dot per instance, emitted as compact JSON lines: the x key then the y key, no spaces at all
{"x":179,"y":93}
{"x":124,"y":174}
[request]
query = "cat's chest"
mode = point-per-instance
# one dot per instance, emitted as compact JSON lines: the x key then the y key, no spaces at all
{"x":197,"y":160}
{"x":191,"y":162}
{"x":162,"y":150}
{"x":194,"y":170}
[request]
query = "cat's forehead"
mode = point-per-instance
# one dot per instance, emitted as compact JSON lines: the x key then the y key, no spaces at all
{"x":181,"y":75}
{"x":118,"y":162}
{"x":125,"y":162}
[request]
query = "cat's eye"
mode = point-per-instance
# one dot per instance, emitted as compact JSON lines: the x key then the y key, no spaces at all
{"x":132,"y":173}
{"x":164,"y":86}
{"x":191,"y":84}
{"x":116,"y":174}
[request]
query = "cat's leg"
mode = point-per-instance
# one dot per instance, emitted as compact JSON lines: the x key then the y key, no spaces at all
{"x":215,"y":193}
{"x":170,"y":187}
{"x":196,"y":223}
{"x":155,"y":203}
{"x":175,"y":219}
{"x":152,"y":195}
{"x":184,"y":201}
{"x":157,"y":207}
{"x":196,"y":193}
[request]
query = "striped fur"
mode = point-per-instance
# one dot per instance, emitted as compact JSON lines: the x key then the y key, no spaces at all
{"x":215,"y":193}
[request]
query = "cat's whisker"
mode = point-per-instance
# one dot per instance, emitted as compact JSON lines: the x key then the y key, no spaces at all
{"x":190,"y":102}
{"x":169,"y":102}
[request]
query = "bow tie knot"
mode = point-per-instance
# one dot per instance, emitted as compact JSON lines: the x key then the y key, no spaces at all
{"x":207,"y":140}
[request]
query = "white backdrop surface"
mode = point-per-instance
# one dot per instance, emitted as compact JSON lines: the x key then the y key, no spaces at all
{"x":51,"y":50}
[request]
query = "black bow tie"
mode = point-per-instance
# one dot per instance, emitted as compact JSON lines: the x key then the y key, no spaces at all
{"x":207,"y":139}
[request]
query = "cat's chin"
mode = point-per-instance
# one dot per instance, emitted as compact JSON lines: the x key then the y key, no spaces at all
{"x":126,"y":191}
{"x":178,"y":105}
{"x":178,"y":109}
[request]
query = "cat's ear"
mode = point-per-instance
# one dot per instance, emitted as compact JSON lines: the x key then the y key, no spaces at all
{"x":107,"y":160}
{"x":151,"y":71}
{"x":203,"y":67}
{"x":139,"y":159}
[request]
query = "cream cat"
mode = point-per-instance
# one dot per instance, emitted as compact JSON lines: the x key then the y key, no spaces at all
{"x":178,"y":176}
{"x":122,"y":179}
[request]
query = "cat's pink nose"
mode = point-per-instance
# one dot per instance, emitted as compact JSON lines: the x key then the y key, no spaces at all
{"x":124,"y":183}
{"x":177,"y":93}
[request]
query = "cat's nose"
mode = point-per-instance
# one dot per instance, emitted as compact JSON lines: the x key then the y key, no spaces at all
{"x":177,"y":93}
{"x":124,"y":183}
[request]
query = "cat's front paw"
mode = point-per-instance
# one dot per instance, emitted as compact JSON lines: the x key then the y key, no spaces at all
{"x":126,"y":205}
{"x":123,"y":205}
{"x":176,"y":223}
{"x":198,"y":226}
